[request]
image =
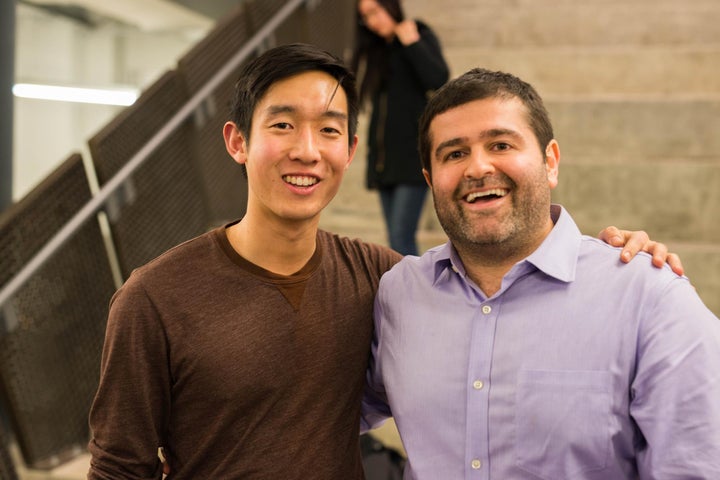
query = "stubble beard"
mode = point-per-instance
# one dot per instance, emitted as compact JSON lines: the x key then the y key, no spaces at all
{"x":492,"y":237}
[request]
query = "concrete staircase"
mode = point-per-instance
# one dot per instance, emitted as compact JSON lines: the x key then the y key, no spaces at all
{"x":633,"y":89}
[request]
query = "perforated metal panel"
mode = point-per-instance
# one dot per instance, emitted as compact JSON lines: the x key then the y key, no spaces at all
{"x":293,"y":29}
{"x":163,"y":203}
{"x":331,"y":26}
{"x":259,"y":12}
{"x":211,"y":53}
{"x":224,"y":184}
{"x":51,"y":332}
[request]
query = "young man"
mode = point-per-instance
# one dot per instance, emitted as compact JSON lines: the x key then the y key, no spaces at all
{"x":522,"y":349}
{"x":242,"y":353}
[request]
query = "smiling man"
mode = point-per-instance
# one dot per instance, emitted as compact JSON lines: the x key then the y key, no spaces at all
{"x":522,"y":349}
{"x":242,"y":352}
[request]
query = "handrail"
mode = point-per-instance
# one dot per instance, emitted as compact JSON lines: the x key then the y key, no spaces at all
{"x":99,"y":199}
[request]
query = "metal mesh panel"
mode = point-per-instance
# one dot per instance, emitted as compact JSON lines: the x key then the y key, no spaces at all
{"x":162,"y":203}
{"x":224,"y":184}
{"x":331,"y":26}
{"x":118,"y":141}
{"x":211,"y":53}
{"x":293,"y":29}
{"x":260,"y":12}
{"x":51,"y":332}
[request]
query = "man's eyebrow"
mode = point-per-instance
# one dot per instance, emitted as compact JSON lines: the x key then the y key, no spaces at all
{"x":453,"y":142}
{"x":500,"y":132}
{"x":337,"y":114}
{"x":280,"y":109}
{"x":485,"y":134}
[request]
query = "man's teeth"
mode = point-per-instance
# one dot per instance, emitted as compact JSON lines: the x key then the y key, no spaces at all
{"x":300,"y":181}
{"x":498,"y":192}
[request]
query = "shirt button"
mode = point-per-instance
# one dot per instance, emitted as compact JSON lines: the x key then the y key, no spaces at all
{"x":477,"y":384}
{"x":476,"y":464}
{"x":486,"y":309}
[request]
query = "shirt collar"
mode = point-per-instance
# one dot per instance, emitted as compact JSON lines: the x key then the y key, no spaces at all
{"x":556,"y":256}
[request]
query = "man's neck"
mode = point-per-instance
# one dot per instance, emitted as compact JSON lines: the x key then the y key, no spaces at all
{"x":487,"y":269}
{"x":279,"y":247}
{"x":486,"y":265}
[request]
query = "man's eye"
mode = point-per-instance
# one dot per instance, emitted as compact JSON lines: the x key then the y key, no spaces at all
{"x":455,"y":155}
{"x":331,"y":130}
{"x":501,"y":146}
{"x":282,"y":125}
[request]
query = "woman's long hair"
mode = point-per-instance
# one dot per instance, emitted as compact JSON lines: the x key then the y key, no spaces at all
{"x":370,"y":61}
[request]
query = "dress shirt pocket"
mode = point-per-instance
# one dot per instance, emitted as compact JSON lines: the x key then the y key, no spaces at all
{"x":563,"y":422}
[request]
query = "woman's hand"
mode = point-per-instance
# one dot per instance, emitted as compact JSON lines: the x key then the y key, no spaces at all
{"x":407,"y":32}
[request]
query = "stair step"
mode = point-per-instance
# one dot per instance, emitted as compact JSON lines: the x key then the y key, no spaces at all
{"x":678,"y":202}
{"x":601,"y":70}
{"x":570,"y":22}
{"x":631,"y":126}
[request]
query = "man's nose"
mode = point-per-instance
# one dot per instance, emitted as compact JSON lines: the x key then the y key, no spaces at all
{"x":306,"y":146}
{"x":480,"y":164}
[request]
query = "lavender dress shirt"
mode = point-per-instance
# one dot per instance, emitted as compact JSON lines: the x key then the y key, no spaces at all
{"x":580,"y":367}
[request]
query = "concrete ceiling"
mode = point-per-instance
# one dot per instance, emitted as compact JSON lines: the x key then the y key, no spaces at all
{"x":148,"y":15}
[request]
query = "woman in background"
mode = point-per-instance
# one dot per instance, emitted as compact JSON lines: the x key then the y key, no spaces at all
{"x":399,"y":63}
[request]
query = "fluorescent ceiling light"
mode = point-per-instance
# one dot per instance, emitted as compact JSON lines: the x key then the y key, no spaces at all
{"x":148,"y":15}
{"x":122,"y":97}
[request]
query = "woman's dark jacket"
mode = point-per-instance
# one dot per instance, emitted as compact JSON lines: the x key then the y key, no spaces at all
{"x":414,"y":73}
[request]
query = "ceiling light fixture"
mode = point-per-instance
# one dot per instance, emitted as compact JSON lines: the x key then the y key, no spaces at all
{"x":122,"y":97}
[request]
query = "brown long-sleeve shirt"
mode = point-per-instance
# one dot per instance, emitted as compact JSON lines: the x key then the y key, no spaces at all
{"x":237,"y":372}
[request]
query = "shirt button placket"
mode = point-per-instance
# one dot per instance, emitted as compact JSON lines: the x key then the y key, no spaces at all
{"x":477,"y":405}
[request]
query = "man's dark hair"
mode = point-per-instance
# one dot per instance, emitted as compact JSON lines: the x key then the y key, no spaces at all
{"x":282,"y":62}
{"x":479,"y":84}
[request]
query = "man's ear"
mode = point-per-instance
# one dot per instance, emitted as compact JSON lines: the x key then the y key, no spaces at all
{"x":235,"y":142}
{"x":428,"y":177}
{"x":351,"y":152}
{"x":552,"y":162}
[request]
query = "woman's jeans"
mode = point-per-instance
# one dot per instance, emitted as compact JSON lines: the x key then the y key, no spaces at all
{"x":402,"y":206}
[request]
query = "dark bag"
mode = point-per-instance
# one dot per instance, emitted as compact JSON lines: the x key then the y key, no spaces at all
{"x":379,"y":461}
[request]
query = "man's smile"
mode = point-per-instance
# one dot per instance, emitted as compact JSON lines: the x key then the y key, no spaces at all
{"x":485,"y":195}
{"x":300,"y":180}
